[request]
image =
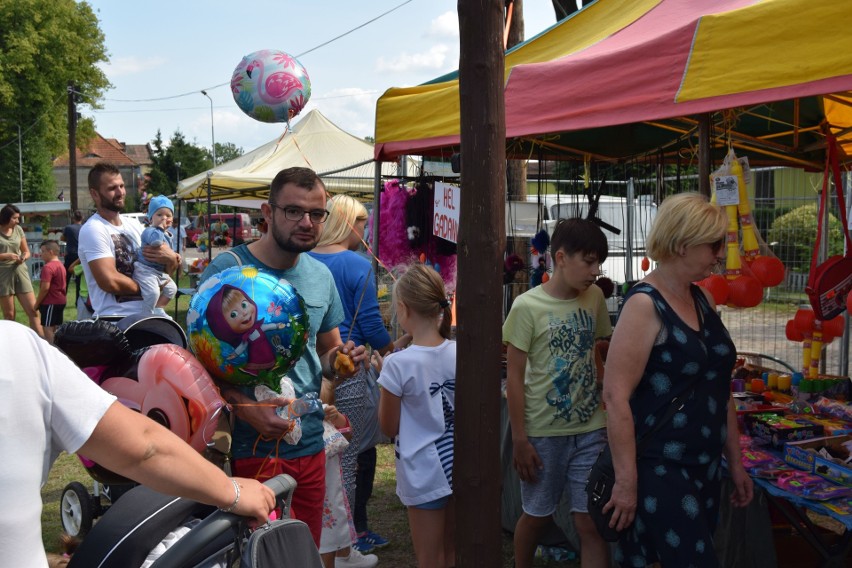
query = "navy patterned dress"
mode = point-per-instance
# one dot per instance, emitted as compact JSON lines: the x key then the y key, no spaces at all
{"x":679,"y":477}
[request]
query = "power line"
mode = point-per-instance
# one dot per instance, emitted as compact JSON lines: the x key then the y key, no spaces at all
{"x":195,"y":91}
{"x":177,"y":109}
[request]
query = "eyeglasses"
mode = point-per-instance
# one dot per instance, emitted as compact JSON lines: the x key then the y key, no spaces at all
{"x":291,"y":213}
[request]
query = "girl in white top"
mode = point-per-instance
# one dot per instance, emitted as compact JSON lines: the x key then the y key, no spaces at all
{"x":417,"y":407}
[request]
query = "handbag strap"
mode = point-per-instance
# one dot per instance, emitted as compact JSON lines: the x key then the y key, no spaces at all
{"x":831,"y":168}
{"x":676,"y":404}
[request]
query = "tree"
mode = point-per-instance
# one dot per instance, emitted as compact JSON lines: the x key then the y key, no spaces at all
{"x":162,"y":179}
{"x":44,"y":45}
{"x":227,"y":152}
{"x":795,"y":234}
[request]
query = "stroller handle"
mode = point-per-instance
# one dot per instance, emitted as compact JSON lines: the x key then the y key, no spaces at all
{"x":218,"y":523}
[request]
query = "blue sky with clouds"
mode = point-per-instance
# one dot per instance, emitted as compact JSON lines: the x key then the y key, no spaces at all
{"x":164,"y":49}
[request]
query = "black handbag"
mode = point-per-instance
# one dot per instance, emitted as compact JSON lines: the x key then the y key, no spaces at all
{"x":602,"y":474}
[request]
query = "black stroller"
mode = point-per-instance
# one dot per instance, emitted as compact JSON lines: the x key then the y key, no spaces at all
{"x":135,"y":525}
{"x":108,"y":349}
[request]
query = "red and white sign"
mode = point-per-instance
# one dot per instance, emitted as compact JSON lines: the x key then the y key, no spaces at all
{"x":445,"y":223}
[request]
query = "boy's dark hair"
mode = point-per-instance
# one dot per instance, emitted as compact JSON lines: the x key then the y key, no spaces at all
{"x":98,"y":170}
{"x":579,"y":235}
{"x":305,"y":178}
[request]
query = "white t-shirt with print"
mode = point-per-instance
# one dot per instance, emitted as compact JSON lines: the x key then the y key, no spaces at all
{"x":101,"y":239}
{"x":425,"y":379}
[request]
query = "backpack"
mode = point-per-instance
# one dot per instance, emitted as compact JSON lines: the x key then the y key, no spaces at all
{"x":282,"y":543}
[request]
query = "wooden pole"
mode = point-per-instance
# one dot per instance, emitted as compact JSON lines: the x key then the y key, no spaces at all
{"x":477,"y":479}
{"x":72,"y":145}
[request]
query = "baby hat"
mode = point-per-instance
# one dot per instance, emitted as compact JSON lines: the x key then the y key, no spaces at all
{"x":159,"y":202}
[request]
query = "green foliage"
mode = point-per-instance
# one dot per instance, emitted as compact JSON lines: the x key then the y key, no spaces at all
{"x":227,"y":152}
{"x":765,"y":216}
{"x":795,"y":232}
{"x":44,"y":46}
{"x":163,"y":177}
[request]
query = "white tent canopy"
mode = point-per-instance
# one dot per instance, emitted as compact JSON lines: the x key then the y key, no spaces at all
{"x":344,"y":162}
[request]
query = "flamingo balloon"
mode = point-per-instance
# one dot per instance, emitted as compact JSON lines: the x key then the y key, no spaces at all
{"x":270,"y":86}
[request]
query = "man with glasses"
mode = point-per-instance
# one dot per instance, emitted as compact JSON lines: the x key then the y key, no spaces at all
{"x":295,"y":215}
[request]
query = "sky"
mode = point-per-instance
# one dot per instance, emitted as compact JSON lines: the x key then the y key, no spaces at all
{"x":173,"y":50}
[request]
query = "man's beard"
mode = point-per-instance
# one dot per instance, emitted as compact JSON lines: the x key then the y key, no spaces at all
{"x":289,"y":245}
{"x":111,"y":205}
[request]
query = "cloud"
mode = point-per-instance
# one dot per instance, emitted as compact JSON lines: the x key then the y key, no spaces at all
{"x":434,"y":59}
{"x":445,"y":25}
{"x":131,"y":65}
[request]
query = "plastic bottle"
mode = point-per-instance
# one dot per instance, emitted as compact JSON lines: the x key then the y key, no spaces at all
{"x":304,"y":405}
{"x":795,"y":382}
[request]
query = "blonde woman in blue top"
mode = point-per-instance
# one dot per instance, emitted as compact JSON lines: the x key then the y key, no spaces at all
{"x":356,"y":284}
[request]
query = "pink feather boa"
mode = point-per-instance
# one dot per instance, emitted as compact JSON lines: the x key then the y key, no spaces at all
{"x":395,"y":251}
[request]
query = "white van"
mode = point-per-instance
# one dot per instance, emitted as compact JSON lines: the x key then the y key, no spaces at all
{"x":624,"y":261}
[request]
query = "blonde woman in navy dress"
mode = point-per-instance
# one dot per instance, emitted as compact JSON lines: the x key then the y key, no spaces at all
{"x":667,"y":339}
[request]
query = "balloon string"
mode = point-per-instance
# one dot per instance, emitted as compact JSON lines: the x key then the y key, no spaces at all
{"x":299,"y":148}
{"x":358,"y":307}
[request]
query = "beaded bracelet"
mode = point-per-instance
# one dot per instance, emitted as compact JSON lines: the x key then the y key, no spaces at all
{"x":236,"y":497}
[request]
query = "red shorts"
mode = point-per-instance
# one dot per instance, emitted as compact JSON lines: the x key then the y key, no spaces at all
{"x":309,"y":473}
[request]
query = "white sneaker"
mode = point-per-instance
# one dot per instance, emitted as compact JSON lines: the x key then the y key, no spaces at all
{"x":356,"y":560}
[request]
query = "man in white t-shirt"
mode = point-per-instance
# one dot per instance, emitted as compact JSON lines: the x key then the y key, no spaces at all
{"x":107,"y":248}
{"x":49,"y":406}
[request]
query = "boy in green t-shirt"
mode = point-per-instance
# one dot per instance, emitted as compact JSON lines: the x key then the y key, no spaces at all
{"x":553,"y":389}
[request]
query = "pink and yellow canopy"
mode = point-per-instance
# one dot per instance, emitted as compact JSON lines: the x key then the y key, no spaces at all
{"x":774,"y":66}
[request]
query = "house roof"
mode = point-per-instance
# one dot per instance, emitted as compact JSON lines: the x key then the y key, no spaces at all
{"x":140,"y":153}
{"x":100,"y":150}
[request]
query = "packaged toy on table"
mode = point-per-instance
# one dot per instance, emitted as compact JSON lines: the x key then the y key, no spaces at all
{"x":778,"y":429}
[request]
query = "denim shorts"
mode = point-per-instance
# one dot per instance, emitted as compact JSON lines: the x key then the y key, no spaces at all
{"x":438,"y":503}
{"x":566,"y":461}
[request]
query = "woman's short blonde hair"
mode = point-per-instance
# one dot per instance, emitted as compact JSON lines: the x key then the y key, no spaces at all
{"x":343,"y":212}
{"x":684,"y":220}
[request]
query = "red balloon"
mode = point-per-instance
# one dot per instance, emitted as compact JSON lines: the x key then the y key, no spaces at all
{"x":745,"y":292}
{"x":646,"y":264}
{"x":718,"y":287}
{"x":769,"y":270}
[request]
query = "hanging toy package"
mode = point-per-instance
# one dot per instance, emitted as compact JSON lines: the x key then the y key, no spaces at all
{"x":749,"y":264}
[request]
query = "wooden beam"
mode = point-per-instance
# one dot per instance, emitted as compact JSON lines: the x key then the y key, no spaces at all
{"x":704,"y":154}
{"x":476,"y":476}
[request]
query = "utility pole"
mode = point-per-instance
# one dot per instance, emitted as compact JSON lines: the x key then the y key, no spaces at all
{"x":479,"y":295}
{"x":72,"y":143}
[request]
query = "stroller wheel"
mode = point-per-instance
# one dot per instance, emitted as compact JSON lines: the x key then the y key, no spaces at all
{"x":76,"y":509}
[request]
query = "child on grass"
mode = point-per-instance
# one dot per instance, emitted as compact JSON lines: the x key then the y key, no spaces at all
{"x":553,"y":389}
{"x":51,"y":298}
{"x":417,"y":407}
{"x":337,"y":530}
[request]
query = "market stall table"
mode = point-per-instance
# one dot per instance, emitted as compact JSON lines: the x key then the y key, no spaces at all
{"x":794,"y":508}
